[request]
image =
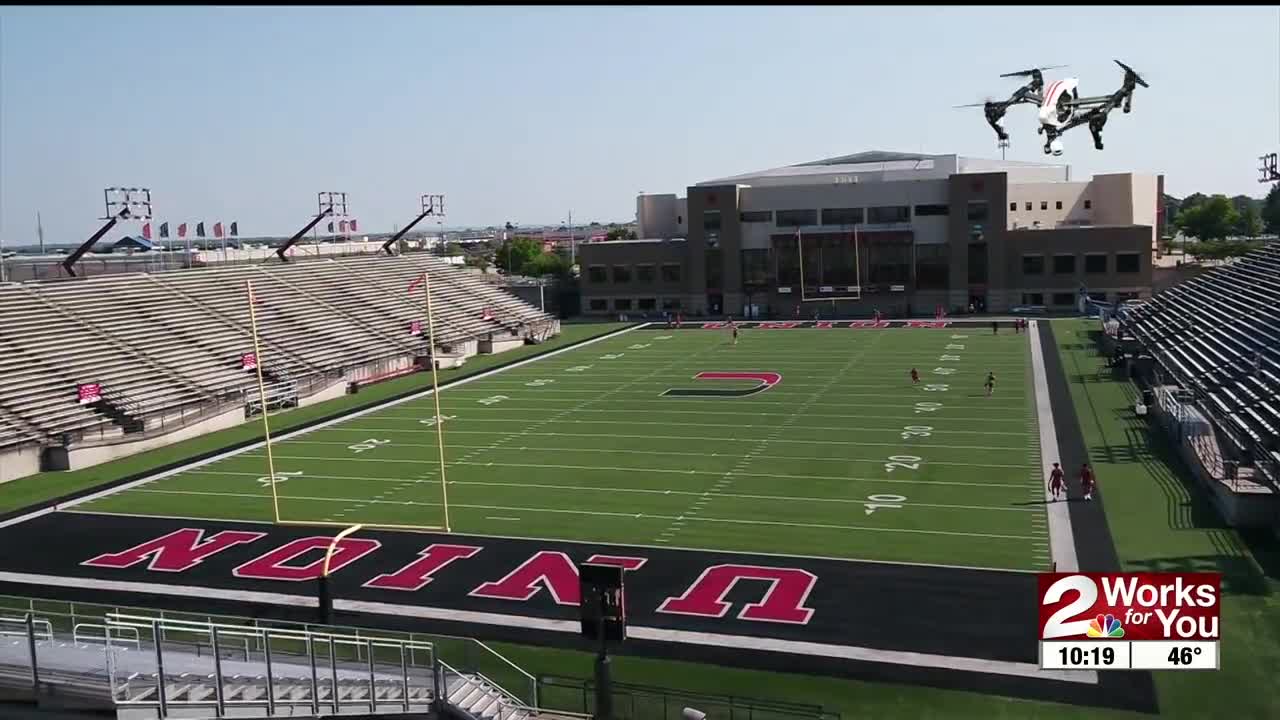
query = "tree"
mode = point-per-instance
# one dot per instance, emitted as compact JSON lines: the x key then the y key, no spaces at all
{"x":546,"y":264}
{"x":1271,"y":209}
{"x":516,"y":252}
{"x":1223,"y":249}
{"x":620,"y":233}
{"x":477,"y":261}
{"x":1192,"y":200}
{"x":454,"y":249}
{"x":1212,"y":219}
{"x":1250,"y":223}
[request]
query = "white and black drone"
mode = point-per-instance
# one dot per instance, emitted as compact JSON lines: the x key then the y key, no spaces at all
{"x":1061,"y":107}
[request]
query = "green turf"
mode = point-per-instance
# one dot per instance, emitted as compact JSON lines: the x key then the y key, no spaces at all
{"x":45,"y":486}
{"x":839,"y":459}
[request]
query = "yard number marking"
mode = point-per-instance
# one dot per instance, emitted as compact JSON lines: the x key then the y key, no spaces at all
{"x":369,"y":444}
{"x":664,"y":337}
{"x":910,"y":462}
{"x":927,"y":407}
{"x":949,"y":357}
{"x":539,"y":382}
{"x":936,"y":387}
{"x":638,"y":346}
{"x":578,"y":368}
{"x":911,"y":431}
{"x":959,"y":337}
{"x":612,"y":356}
{"x":879,"y":502}
{"x":944,"y":371}
{"x":492,"y":399}
{"x":954,"y":346}
{"x":280,"y":477}
{"x":431,"y":421}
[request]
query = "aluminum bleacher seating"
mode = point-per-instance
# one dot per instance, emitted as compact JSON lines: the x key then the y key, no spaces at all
{"x":157,"y":342}
{"x":1219,"y":334}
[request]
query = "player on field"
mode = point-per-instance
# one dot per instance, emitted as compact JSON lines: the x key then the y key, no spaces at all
{"x":734,"y":327}
{"x":1088,"y":482}
{"x":990,"y":384}
{"x":995,"y":328}
{"x":1056,"y":478}
{"x":915,"y":376}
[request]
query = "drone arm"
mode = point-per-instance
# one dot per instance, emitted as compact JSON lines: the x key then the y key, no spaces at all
{"x":1095,"y":100}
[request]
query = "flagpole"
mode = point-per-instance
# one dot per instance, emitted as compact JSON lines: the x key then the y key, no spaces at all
{"x":187,"y":237}
{"x":435,"y":393}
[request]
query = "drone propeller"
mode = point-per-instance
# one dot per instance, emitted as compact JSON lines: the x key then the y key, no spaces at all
{"x":984,"y":103}
{"x":1032,"y":71}
{"x":1133,"y":73}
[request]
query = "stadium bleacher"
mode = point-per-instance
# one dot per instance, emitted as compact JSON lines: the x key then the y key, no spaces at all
{"x":1218,"y":334}
{"x":161,"y":342}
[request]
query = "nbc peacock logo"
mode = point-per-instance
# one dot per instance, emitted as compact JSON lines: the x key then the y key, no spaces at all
{"x":1105,"y":626}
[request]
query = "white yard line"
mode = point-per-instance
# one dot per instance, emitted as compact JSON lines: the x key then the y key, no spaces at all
{"x":600,"y":513}
{"x":303,"y":431}
{"x":1062,"y":540}
{"x":686,"y":424}
{"x":939,"y":415}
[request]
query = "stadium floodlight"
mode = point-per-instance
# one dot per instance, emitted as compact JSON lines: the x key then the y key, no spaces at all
{"x":122,"y":203}
{"x":1268,"y":168}
{"x":432,"y":205}
{"x":328,"y":204}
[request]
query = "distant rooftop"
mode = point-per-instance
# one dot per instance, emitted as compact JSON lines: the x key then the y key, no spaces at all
{"x":879,"y":166}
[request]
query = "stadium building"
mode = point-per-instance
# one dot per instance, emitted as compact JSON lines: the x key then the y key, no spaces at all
{"x":899,"y":232}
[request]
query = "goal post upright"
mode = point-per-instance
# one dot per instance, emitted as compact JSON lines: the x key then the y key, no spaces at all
{"x":435,"y":394}
{"x":262,"y":400}
{"x":856,"y":288}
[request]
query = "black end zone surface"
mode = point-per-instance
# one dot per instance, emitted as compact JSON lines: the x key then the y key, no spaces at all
{"x":988,"y":615}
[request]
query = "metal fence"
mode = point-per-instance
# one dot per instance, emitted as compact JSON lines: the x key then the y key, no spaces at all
{"x":643,"y":702}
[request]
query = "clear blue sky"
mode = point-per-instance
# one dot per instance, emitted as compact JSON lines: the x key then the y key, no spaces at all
{"x":523,"y":114}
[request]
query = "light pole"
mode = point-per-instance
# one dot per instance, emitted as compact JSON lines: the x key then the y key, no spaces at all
{"x":573,"y":255}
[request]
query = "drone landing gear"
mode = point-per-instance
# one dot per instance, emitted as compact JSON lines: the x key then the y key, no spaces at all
{"x":1095,"y":128}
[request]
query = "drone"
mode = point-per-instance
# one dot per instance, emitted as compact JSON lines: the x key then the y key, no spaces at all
{"x":1061,"y":107}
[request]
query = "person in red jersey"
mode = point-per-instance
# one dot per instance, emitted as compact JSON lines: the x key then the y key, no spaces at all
{"x":679,"y":319}
{"x":1088,"y":482}
{"x":1056,"y":481}
{"x":915,"y":377}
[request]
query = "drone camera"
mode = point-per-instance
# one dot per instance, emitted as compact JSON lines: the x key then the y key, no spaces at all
{"x":1056,"y":147}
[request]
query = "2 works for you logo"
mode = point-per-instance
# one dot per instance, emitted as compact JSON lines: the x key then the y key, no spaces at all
{"x":1132,"y":606}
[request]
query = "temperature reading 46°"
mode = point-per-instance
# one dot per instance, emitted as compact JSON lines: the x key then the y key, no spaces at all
{"x":1184,"y":655}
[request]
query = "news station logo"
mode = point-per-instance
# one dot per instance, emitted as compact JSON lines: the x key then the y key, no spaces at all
{"x":1129,"y":606}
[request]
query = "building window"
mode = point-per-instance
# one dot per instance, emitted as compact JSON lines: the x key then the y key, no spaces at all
{"x":671,"y":272}
{"x":1032,"y":298}
{"x":1128,"y":262}
{"x":599,"y":305}
{"x":621,"y":274}
{"x":931,"y":267}
{"x":645,"y":274}
{"x":1058,"y":204}
{"x":796,"y":218}
{"x":622,"y":304}
{"x":1013,"y":207}
{"x":711,"y":220}
{"x":932,"y":210}
{"x":977,"y":256}
{"x":1064,"y":299}
{"x":1032,"y":264}
{"x":756,"y":216}
{"x":714,"y":269}
{"x":1095,"y":263}
{"x":679,"y":219}
{"x":671,"y":303}
{"x":598,"y":274}
{"x":648,"y":303}
{"x":841,"y":216}
{"x":1064,"y":264}
{"x":889,"y":214}
{"x":1028,"y":207}
{"x":755,"y":268}
{"x":977,"y":211}
{"x":1088,"y":204}
{"x":1044,"y":204}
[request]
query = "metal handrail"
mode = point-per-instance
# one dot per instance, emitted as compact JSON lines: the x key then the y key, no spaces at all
{"x":77,"y":638}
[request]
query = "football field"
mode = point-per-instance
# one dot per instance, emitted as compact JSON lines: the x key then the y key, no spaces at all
{"x":803,"y":441}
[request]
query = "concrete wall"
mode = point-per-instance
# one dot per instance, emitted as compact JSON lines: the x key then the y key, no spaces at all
{"x":656,"y":216}
{"x":1071,"y":195}
{"x":336,"y":390}
{"x":86,"y":456}
{"x":19,"y":462}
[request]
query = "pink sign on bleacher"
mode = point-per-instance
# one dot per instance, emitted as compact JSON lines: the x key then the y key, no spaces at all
{"x":248,"y":361}
{"x":415,"y":327}
{"x":89,"y":393}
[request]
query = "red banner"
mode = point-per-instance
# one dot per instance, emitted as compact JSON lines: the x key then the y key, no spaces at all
{"x":89,"y":393}
{"x":1133,"y":606}
{"x":248,"y":361}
